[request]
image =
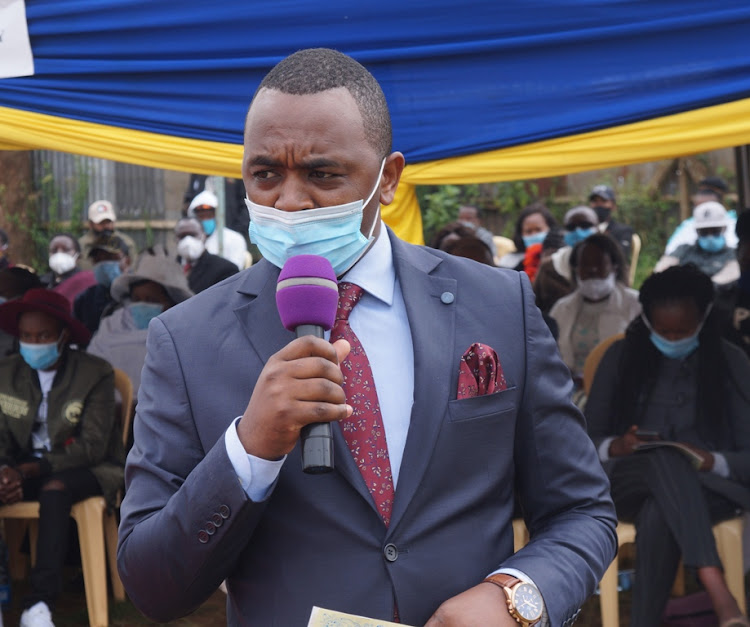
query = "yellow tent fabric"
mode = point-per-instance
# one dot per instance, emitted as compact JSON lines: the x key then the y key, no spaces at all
{"x":660,"y":138}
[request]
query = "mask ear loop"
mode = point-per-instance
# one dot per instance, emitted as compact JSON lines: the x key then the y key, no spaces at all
{"x":369,"y":198}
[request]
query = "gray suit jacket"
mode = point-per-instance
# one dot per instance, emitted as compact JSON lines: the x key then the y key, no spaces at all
{"x":318,"y":540}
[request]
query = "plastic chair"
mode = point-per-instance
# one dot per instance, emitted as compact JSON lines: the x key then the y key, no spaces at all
{"x":635,"y":251}
{"x":593,"y":359}
{"x":97,"y":529}
{"x":728,"y":535}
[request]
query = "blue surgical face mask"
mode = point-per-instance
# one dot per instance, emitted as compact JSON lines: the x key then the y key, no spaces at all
{"x":330,"y":232}
{"x":712,"y":243}
{"x":209,"y":226}
{"x":676,"y":349}
{"x":143,"y":313}
{"x":536,"y":238}
{"x":40,"y":356}
{"x":573,"y":237}
{"x":106,"y":271}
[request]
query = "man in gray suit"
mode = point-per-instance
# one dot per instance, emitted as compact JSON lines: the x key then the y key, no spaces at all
{"x":215,"y":489}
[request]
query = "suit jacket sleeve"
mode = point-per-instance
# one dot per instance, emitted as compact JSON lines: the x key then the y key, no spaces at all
{"x":562,"y":488}
{"x":174,"y":489}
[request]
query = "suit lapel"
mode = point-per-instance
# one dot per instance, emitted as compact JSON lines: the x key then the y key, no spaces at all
{"x":259,"y":317}
{"x":431,"y":308}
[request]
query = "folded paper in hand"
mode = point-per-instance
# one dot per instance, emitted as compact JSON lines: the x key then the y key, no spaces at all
{"x":480,"y":372}
{"x":329,"y":618}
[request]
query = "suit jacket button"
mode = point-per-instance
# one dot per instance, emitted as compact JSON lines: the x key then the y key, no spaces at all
{"x":447,"y":298}
{"x":216,"y":519}
{"x":390,"y":552}
{"x":210,"y":528}
{"x":203,"y":536}
{"x":224,"y":511}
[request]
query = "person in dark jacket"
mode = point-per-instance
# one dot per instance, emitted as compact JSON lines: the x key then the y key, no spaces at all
{"x":202,"y":268}
{"x":59,"y":439}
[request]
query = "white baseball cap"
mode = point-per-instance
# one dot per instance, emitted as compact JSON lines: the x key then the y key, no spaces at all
{"x":101,"y":210}
{"x":709,"y":215}
{"x":204,"y":199}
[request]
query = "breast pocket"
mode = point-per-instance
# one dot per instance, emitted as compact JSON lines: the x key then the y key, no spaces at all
{"x":501,"y":405}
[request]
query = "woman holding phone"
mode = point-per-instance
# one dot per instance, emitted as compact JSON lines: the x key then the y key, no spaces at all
{"x":674,"y":378}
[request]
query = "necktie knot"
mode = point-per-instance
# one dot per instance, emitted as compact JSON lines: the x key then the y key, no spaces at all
{"x":349,"y":295}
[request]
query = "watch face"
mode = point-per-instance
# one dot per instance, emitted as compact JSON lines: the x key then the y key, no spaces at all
{"x":527,"y":602}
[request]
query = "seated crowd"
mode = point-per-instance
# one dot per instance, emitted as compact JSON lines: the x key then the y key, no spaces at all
{"x":61,"y":336}
{"x":677,"y":374}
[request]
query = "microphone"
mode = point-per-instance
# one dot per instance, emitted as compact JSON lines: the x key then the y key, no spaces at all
{"x":307,"y":297}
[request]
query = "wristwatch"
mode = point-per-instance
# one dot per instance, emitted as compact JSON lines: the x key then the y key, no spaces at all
{"x":524,"y":601}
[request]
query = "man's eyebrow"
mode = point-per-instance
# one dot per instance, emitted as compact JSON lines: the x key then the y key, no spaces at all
{"x":309,"y":164}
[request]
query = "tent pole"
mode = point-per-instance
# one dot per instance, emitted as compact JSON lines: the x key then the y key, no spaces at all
{"x":742,"y":167}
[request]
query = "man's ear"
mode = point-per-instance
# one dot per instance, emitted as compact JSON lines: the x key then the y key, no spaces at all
{"x":394,"y":166}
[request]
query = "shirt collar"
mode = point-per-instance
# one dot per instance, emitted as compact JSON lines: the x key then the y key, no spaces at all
{"x":375,"y":272}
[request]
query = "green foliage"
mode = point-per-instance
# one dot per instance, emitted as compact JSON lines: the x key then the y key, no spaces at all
{"x":439,"y":203}
{"x":41,"y":230}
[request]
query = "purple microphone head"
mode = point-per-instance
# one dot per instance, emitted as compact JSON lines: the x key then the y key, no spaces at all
{"x":307,"y":292}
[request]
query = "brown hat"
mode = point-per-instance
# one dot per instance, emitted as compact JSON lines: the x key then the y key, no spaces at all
{"x":48,"y":302}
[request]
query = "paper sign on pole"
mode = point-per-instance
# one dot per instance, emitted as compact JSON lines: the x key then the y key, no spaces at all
{"x":15,"y":49}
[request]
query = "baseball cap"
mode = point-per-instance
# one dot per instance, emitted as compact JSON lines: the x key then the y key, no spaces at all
{"x":709,"y":215}
{"x":603,"y":191}
{"x":101,"y":210}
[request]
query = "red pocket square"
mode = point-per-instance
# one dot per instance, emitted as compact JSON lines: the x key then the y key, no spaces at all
{"x":480,"y":372}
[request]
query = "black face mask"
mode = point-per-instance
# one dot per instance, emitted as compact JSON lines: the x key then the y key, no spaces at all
{"x":106,"y":233}
{"x":602,"y":212}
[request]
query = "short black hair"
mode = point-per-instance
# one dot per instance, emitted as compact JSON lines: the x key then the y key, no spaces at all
{"x":609,"y":247}
{"x":677,"y":284}
{"x":16,"y":281}
{"x":316,"y":70}
{"x":530,"y":210}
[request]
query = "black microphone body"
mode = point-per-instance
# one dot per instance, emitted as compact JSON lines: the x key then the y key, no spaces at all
{"x":316,"y":438}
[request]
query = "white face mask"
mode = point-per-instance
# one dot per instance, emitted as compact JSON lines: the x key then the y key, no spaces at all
{"x":597,"y":289}
{"x":190,"y":248}
{"x":60,"y":262}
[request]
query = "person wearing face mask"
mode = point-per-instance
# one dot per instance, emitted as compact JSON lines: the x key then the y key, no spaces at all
{"x":233,"y":246}
{"x":216,"y":489}
{"x":110,"y":256}
{"x":675,"y":377}
{"x":59,"y":440}
{"x":152,"y":286}
{"x":710,"y":252}
{"x":554,"y":278}
{"x":532,"y":226}
{"x":102,"y":223}
{"x":65,"y":275}
{"x":4,"y":245}
{"x":601,"y":305}
{"x":603,"y":201}
{"x":202,"y":268}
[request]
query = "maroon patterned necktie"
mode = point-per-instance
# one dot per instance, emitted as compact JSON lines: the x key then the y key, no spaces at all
{"x":363,"y":430}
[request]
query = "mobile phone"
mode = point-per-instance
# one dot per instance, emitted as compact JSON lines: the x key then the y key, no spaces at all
{"x":647,"y":435}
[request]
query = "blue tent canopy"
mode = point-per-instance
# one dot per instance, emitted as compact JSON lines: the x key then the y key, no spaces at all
{"x":461,"y":78}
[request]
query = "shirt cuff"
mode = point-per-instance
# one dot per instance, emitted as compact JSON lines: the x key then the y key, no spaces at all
{"x":544,"y":620}
{"x":256,"y":476}
{"x":603,"y":449}
{"x":721,"y":466}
